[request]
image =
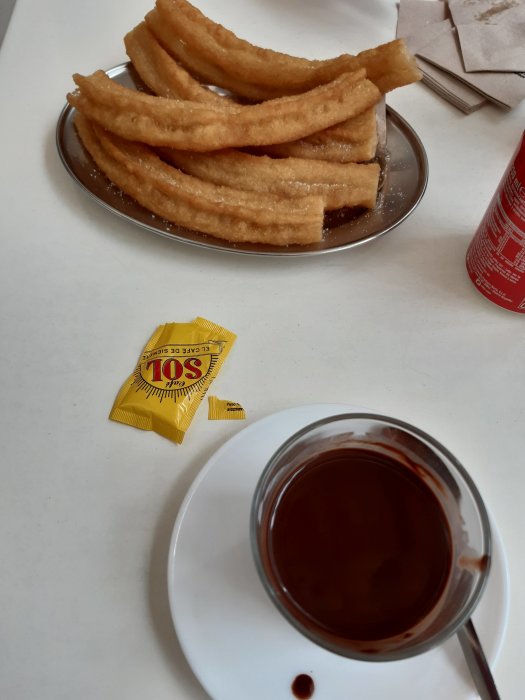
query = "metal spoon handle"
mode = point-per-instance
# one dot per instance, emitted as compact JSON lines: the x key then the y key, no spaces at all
{"x":477,"y":663}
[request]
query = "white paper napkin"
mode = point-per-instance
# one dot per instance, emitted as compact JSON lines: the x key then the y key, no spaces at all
{"x":504,"y":89}
{"x":419,"y":22}
{"x":491,"y":34}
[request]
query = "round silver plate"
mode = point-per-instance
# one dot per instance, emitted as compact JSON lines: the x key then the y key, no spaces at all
{"x":404,"y":184}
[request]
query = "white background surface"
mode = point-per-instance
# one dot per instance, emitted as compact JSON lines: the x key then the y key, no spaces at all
{"x":87,"y":506}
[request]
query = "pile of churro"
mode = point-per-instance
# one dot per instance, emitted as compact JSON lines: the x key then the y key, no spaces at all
{"x":260,"y":160}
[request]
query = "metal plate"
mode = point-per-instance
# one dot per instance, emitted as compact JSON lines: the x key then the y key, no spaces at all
{"x":404,"y":184}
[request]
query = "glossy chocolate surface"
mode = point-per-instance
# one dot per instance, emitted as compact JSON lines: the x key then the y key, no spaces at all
{"x":359,"y":545}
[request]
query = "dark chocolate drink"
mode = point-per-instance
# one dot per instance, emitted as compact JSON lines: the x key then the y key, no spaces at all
{"x":358,"y":545}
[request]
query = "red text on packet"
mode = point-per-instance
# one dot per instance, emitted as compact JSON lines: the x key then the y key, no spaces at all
{"x":174,"y":369}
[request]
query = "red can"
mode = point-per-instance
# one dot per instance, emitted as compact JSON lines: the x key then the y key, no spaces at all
{"x":496,"y":255}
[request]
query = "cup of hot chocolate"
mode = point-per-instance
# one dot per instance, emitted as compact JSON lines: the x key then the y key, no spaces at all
{"x":370,"y":537}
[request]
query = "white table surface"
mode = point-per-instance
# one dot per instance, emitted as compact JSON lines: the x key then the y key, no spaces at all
{"x":88,"y":505}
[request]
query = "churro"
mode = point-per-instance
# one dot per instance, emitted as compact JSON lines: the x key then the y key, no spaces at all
{"x":221,"y":211}
{"x":218,"y":56}
{"x":350,"y":185}
{"x":205,"y":71}
{"x":354,"y":140}
{"x":331,"y":152}
{"x":163,"y":75}
{"x":187,"y":125}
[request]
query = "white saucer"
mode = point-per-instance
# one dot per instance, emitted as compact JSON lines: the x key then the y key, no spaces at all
{"x":236,"y":642}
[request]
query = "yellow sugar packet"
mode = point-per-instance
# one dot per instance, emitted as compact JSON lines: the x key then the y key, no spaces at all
{"x":172,"y":376}
{"x":221,"y":409}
